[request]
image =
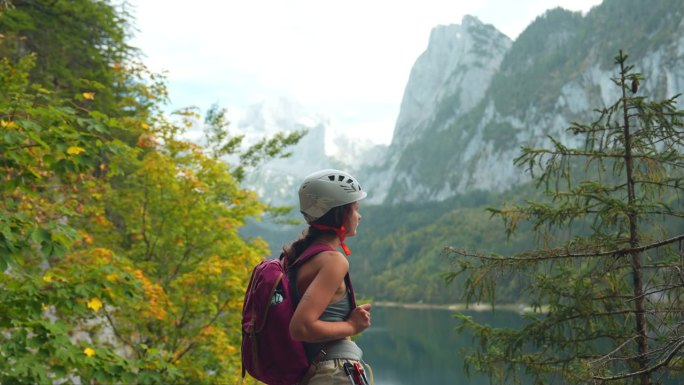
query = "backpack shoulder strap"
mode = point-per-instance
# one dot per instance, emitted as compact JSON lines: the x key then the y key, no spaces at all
{"x":352,"y":296}
{"x":309,"y":252}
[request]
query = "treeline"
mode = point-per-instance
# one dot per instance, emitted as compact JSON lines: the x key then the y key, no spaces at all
{"x":529,"y":76}
{"x":399,"y":254}
{"x":574,"y":42}
{"x":120,"y":260}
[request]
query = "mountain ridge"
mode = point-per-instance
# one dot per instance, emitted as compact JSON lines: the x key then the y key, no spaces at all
{"x":555,"y":73}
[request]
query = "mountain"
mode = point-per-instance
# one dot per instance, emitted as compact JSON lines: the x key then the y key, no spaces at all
{"x":276,"y":180}
{"x":447,"y":81}
{"x":355,"y":155}
{"x":447,"y":165}
{"x":474,"y":97}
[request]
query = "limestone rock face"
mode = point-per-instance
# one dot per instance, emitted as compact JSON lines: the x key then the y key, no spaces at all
{"x":447,"y":81}
{"x":449,"y":78}
{"x":474,"y":97}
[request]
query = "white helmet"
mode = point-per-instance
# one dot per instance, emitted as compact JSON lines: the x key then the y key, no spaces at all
{"x":325,"y":189}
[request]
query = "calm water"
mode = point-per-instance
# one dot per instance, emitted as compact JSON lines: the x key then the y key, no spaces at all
{"x":419,"y":346}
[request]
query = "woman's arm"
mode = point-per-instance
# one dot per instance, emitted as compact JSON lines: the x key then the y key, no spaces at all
{"x":305,"y":325}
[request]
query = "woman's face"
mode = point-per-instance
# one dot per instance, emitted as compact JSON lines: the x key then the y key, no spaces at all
{"x":353,"y":219}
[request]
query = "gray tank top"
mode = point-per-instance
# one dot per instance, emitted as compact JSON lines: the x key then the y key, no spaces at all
{"x":335,"y":312}
{"x":338,"y":311}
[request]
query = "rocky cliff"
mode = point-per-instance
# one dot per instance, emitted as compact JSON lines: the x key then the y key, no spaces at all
{"x":474,"y":97}
{"x":447,"y":81}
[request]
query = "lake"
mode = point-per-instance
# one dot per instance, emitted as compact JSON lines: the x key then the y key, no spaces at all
{"x":420,"y":346}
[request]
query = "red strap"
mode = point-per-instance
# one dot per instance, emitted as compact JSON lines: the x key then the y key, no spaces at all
{"x":341,"y":233}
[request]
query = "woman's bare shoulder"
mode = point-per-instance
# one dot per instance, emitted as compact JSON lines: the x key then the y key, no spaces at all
{"x":330,"y":260}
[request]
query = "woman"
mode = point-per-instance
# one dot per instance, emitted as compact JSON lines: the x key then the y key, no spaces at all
{"x":324,"y":318}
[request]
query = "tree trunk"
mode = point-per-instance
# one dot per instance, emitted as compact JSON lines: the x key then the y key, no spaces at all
{"x":637,"y":271}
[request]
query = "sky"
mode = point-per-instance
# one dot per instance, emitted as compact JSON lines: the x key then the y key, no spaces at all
{"x":348,"y":61}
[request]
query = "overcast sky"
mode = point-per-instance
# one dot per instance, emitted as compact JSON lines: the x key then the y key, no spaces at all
{"x":346,"y":60}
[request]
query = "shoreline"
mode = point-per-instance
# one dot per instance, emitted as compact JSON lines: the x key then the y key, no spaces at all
{"x":478,"y":307}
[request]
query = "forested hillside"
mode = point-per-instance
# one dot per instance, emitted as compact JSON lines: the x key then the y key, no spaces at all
{"x":120,"y":260}
{"x":557,"y":72}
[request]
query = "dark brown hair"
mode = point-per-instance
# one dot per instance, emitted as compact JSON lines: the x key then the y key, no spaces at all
{"x":334,"y":218}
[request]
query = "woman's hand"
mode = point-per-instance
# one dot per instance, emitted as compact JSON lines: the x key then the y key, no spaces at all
{"x":360,"y":318}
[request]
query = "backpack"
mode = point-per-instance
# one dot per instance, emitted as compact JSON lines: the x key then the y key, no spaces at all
{"x":269,"y":353}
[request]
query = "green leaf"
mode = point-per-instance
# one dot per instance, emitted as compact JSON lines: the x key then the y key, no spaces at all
{"x":41,"y":236}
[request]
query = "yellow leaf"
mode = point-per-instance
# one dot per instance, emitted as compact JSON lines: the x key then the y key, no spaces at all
{"x":95,"y":304}
{"x":87,"y":239}
{"x":88,"y":95}
{"x":89,"y":352}
{"x":47,"y":278}
{"x":112,"y":277}
{"x":75,"y":150}
{"x":8,"y":124}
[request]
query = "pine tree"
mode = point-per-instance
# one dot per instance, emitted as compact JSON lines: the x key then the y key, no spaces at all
{"x":608,"y":297}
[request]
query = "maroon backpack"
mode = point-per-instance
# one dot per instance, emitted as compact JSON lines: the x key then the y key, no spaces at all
{"x":269,"y":353}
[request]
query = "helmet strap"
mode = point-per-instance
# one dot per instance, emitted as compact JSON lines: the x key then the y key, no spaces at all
{"x":341,"y":234}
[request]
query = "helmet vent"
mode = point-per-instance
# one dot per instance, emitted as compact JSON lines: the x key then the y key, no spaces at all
{"x":340,"y":178}
{"x":331,"y":178}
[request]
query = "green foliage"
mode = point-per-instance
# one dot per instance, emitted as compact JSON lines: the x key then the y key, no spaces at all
{"x":46,"y":145}
{"x":120,"y":258}
{"x":398,"y":254}
{"x":50,"y":149}
{"x":76,"y":42}
{"x":174,"y":213}
{"x":633,"y":26}
{"x":530,"y":76}
{"x":605,"y":294}
{"x":221,"y":143}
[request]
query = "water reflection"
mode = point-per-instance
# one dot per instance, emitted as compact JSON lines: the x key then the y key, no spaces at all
{"x":420,"y":346}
